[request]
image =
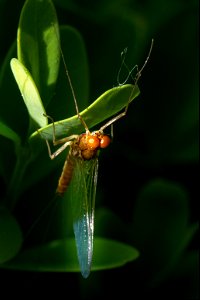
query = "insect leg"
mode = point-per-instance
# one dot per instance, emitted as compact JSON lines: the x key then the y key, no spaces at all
{"x":58,"y":151}
{"x":63,"y":140}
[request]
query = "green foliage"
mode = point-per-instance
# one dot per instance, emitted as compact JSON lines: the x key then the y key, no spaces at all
{"x":10,"y":236}
{"x":164,"y":203}
{"x":29,"y":92}
{"x":38,"y":28}
{"x":148,"y":182}
{"x":107,"y":105}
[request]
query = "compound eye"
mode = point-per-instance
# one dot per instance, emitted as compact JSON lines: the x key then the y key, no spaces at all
{"x":105,"y":141}
{"x":93,"y":142}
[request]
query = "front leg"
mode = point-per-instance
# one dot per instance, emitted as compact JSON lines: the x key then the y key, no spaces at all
{"x":67,"y":141}
{"x":59,"y":150}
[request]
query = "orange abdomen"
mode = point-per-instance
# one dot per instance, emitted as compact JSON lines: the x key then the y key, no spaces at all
{"x":66,"y":176}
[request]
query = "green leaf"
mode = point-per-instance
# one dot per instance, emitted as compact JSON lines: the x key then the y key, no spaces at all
{"x":9,"y":133}
{"x":107,"y":105}
{"x":10,"y":236}
{"x":11,"y":98}
{"x":38,"y":45}
{"x":111,"y":254}
{"x":29,"y":92}
{"x":60,"y":256}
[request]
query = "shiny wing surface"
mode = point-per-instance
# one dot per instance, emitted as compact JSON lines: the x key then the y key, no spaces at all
{"x":83,"y":192}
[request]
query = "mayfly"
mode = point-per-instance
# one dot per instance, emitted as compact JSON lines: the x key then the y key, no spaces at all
{"x":80,"y":170}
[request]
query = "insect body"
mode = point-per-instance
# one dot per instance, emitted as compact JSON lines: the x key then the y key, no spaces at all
{"x":80,"y":172}
{"x":83,"y":147}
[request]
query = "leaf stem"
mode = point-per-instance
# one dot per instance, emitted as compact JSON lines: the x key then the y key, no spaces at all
{"x":15,"y":185}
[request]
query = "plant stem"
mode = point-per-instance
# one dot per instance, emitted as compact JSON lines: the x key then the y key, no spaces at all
{"x":14,"y":188}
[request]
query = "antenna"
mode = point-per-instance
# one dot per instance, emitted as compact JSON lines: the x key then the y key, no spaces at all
{"x":138,"y":75}
{"x":71,"y":85}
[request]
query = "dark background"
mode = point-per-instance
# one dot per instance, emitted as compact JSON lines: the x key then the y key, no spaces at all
{"x":157,"y":139}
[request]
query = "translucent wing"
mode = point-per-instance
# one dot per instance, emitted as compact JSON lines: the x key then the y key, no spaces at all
{"x":83,"y":191}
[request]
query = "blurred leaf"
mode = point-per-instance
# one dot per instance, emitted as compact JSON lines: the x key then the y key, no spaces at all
{"x":29,"y":92}
{"x":9,"y":133}
{"x":115,"y":229}
{"x":60,"y":256}
{"x":10,"y":236}
{"x":161,"y":223}
{"x":187,"y":270}
{"x":111,"y":254}
{"x":174,"y":263}
{"x":108,"y":104}
{"x":7,"y":158}
{"x":38,"y":28}
{"x":7,"y":149}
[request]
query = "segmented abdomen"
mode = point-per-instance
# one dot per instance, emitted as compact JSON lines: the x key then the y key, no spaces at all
{"x":66,"y":175}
